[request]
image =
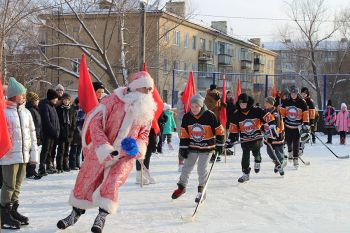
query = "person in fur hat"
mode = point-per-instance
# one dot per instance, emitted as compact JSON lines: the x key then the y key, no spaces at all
{"x":119,"y":127}
{"x":247,"y":121}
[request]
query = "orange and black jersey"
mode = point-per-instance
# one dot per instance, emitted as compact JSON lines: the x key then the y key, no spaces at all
{"x":203,"y":132}
{"x":295,"y":112}
{"x":312,"y":110}
{"x":249,"y":124}
{"x":279,"y":125}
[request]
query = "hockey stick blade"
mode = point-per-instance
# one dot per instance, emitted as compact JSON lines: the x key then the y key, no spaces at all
{"x":307,"y":163}
{"x":337,"y":156}
{"x":343,"y":157}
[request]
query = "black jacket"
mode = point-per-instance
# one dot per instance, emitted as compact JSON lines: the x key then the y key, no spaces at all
{"x":49,"y":117}
{"x":37,"y":121}
{"x":230,"y":109}
{"x":66,"y":116}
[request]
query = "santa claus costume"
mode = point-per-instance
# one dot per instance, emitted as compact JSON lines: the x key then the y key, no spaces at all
{"x":120,"y":118}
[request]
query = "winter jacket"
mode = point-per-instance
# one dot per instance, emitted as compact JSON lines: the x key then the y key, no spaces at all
{"x":230,"y":109}
{"x":67,"y":122}
{"x":170,"y":125}
{"x":79,"y":121}
{"x":294,"y":112}
{"x":213,"y":103}
{"x":343,"y":121}
{"x":49,"y":118}
{"x":34,"y":110}
{"x":329,"y":118}
{"x":22,"y":134}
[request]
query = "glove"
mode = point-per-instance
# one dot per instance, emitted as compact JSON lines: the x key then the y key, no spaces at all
{"x":219,"y":150}
{"x":183,"y":152}
{"x":115,"y":153}
{"x":130,"y":147}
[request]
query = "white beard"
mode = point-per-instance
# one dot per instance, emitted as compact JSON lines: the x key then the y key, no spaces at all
{"x":141,"y":105}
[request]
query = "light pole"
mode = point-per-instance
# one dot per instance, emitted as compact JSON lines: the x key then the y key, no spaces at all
{"x":142,"y":58}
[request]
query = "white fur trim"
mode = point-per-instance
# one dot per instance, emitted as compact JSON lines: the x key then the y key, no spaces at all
{"x":103,"y":151}
{"x":94,"y":112}
{"x":104,"y":203}
{"x":81,"y":204}
{"x":113,"y":161}
{"x":141,"y":82}
{"x":142,"y":148}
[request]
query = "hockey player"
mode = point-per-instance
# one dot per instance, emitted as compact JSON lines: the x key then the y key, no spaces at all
{"x":247,"y":121}
{"x":201,"y":134}
{"x":313,"y":114}
{"x":295,"y":113}
{"x":275,"y":136}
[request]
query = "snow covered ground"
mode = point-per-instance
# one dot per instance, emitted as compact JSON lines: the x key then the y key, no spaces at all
{"x":312,"y":199}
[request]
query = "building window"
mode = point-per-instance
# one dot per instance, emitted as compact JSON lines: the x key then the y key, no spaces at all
{"x":194,"y":67}
{"x":166,"y":35}
{"x":210,"y":46}
{"x":176,"y":35}
{"x":202,"y":43}
{"x":75,"y":65}
{"x":194,"y":41}
{"x":165,"y":96}
{"x":175,"y":64}
{"x":186,"y":41}
{"x":165,"y":66}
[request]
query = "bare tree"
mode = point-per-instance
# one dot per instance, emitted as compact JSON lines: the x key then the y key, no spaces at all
{"x":308,"y":17}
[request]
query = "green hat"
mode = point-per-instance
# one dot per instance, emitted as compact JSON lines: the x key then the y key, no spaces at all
{"x":15,"y":88}
{"x":270,"y":100}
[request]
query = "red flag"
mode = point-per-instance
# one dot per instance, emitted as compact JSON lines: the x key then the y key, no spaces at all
{"x":238,"y":91}
{"x":5,"y":141}
{"x":274,"y":91}
{"x":86,"y":92}
{"x":223,"y":116}
{"x":188,"y":92}
{"x":159,"y":110}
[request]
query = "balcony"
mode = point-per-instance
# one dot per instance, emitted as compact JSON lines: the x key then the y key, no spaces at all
{"x":246,"y":65}
{"x":205,"y":56}
{"x":225,"y":59}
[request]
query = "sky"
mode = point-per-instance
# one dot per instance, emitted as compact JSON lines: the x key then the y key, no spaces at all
{"x":267,"y":30}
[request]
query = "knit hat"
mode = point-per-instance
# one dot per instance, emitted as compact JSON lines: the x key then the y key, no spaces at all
{"x":343,"y":105}
{"x":270,"y":100}
{"x":305,"y":90}
{"x":66,"y":96}
{"x":166,"y":107}
{"x":141,"y":79}
{"x":212,"y":87}
{"x":51,"y":94}
{"x":15,"y":88}
{"x":98,"y":85}
{"x":294,"y":89}
{"x":197,"y":99}
{"x":59,"y":87}
{"x":329,"y":103}
{"x":31,"y":97}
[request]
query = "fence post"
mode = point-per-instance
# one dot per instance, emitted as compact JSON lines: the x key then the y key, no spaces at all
{"x":324,"y":91}
{"x":266,"y":85}
{"x":173,"y":89}
{"x":214,"y":78}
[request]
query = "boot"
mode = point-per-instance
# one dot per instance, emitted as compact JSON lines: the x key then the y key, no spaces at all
{"x":257,"y":167}
{"x":179,"y":191}
{"x":19,"y":217}
{"x":290,"y":154}
{"x":243,"y":178}
{"x":138,"y":178}
{"x":296,"y":163}
{"x":199,"y":195}
{"x":99,"y":222}
{"x":7,"y":221}
{"x":71,"y":219}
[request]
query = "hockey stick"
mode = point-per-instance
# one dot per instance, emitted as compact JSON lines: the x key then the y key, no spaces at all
{"x":307,"y":163}
{"x":273,"y":152}
{"x":192,"y":218}
{"x":338,"y":156}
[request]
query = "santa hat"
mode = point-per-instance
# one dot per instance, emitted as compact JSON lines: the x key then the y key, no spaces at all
{"x":141,"y":79}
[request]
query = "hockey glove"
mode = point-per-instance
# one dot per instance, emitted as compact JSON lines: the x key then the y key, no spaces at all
{"x":305,"y":128}
{"x":130,"y":147}
{"x":229,"y":144}
{"x":183,"y":152}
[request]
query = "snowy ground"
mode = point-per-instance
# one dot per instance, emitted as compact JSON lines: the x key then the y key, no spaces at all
{"x":312,"y":199}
